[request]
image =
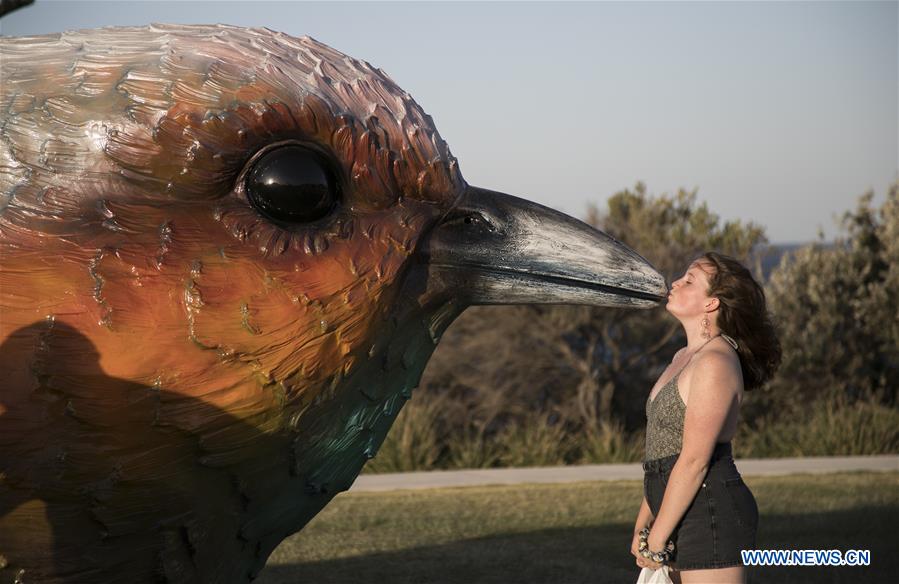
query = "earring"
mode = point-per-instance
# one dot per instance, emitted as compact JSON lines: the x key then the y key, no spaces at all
{"x":706,"y":333}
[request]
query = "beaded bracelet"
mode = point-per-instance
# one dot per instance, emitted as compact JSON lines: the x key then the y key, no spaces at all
{"x":661,"y":557}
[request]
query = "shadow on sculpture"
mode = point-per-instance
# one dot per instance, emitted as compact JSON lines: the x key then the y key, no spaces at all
{"x":91,"y":463}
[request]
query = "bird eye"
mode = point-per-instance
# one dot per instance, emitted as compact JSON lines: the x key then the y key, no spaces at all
{"x":468,"y":218}
{"x":292,"y":184}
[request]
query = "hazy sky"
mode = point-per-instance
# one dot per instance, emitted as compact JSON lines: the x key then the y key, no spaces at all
{"x":779,"y":113}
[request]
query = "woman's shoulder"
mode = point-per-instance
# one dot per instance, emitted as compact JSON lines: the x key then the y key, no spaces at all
{"x":718,"y":355}
{"x":720,"y":362}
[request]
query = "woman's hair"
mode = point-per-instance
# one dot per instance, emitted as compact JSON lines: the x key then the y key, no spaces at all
{"x":743,"y":315}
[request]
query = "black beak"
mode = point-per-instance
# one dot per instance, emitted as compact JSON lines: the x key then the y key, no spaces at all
{"x":493,"y":248}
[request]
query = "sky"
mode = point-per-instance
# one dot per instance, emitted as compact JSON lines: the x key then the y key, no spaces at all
{"x":779,"y":113}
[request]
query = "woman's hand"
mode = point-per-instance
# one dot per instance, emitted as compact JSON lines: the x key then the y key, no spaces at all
{"x":641,"y":561}
{"x":647,"y":563}
{"x":654,"y":545}
{"x":635,"y":550}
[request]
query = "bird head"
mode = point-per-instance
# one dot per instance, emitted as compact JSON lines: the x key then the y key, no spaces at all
{"x":215,"y":197}
{"x":261,"y":224}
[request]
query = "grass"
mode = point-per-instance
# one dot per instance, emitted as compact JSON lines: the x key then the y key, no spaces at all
{"x":572,"y":533}
{"x":608,"y":442}
{"x":830,"y":428}
{"x":418,"y":440}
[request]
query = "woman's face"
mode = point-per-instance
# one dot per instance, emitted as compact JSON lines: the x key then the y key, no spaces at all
{"x":688,"y":296}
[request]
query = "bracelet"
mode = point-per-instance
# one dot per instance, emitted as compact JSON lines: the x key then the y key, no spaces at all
{"x":661,"y":557}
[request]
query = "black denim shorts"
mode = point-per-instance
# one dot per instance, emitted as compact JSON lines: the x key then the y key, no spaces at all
{"x":722,"y":519}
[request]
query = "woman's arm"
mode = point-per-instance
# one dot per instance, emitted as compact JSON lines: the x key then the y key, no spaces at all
{"x":712,"y":392}
{"x":644,"y":516}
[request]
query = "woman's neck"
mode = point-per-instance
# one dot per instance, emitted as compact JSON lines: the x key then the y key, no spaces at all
{"x":694,"y":331}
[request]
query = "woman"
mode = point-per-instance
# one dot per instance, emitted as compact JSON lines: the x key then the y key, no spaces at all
{"x":693,"y":494}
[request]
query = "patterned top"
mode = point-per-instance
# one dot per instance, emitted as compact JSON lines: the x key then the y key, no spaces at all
{"x":665,"y":421}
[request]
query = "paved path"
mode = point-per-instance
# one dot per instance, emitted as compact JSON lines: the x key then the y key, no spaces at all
{"x":610,"y":472}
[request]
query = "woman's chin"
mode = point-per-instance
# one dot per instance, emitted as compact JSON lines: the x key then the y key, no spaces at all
{"x":671,"y":307}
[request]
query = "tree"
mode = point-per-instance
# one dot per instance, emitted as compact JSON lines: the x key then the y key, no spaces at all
{"x":620,"y":353}
{"x":588,"y":367}
{"x":837,"y":309}
{"x":588,"y":371}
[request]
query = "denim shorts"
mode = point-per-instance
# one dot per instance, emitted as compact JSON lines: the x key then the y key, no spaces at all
{"x":722,"y":519}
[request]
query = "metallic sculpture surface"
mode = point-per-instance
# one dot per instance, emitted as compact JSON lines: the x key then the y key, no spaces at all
{"x":227,"y":255}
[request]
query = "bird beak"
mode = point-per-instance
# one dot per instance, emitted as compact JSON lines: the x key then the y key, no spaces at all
{"x":493,"y":248}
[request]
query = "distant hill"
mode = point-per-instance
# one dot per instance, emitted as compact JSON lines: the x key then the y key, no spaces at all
{"x":772,"y":254}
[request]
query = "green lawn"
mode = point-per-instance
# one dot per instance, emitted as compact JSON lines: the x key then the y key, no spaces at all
{"x":572,"y":533}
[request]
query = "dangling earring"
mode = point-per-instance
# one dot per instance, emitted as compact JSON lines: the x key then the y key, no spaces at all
{"x":706,"y":333}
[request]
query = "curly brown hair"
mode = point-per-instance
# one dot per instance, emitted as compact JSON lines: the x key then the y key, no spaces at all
{"x":743,"y":315}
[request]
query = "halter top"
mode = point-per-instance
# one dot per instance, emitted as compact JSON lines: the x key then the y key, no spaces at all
{"x":665,"y":421}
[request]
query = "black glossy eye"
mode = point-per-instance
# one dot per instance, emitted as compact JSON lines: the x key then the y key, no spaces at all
{"x":292,"y":184}
{"x":472,"y":218}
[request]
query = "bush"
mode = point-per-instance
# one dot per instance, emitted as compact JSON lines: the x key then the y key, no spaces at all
{"x":608,"y":442}
{"x":832,"y":428}
{"x":535,"y":441}
{"x":541,"y":385}
{"x":837,"y":311}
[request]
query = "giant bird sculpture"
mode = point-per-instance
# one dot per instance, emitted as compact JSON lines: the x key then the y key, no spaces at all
{"x":227,"y":255}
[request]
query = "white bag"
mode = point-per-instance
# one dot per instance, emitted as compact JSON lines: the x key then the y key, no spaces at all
{"x":650,"y":576}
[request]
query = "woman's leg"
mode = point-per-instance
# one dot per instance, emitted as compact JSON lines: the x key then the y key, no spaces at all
{"x":732,"y":575}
